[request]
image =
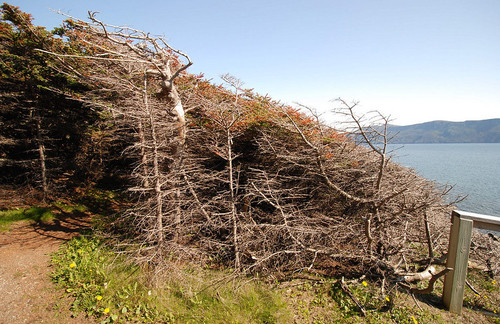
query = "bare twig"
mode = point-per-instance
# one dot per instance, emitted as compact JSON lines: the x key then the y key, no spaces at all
{"x":346,"y":290}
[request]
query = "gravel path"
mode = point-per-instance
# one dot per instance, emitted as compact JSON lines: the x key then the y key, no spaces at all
{"x":26,"y":293}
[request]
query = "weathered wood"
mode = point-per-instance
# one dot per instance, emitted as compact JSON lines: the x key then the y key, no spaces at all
{"x":419,"y":276}
{"x":487,"y":222}
{"x":458,"y":254}
{"x":458,"y":257}
{"x":432,"y":281}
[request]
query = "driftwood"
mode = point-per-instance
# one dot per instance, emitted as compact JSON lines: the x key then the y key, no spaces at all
{"x":428,"y":274}
{"x":430,"y":287}
{"x":419,"y":276}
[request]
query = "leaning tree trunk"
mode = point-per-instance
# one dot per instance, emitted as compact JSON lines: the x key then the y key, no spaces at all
{"x":118,"y":57}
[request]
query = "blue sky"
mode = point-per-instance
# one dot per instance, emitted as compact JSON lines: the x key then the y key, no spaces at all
{"x":415,"y":60}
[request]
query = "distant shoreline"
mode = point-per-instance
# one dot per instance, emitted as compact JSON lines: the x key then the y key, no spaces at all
{"x":438,"y":132}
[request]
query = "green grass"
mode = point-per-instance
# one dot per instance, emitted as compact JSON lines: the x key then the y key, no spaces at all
{"x":323,"y":301}
{"x":36,"y":214}
{"x":69,"y":208}
{"x":109,"y":286}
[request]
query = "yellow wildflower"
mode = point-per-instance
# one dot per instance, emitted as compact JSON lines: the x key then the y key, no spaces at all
{"x":414,"y":320}
{"x":365,"y":283}
{"x":72,"y":265}
{"x":106,"y":310}
{"x":494,"y":282}
{"x":98,"y":297}
{"x":387,"y":298}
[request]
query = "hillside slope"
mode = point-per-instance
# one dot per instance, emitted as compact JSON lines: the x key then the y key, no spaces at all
{"x":472,"y":131}
{"x":214,"y":174}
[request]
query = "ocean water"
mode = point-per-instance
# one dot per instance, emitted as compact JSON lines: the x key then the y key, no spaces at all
{"x":473,"y":170}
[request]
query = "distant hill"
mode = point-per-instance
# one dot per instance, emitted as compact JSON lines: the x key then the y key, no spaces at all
{"x":472,"y":131}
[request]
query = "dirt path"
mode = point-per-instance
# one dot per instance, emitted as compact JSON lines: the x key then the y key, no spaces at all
{"x":26,"y":293}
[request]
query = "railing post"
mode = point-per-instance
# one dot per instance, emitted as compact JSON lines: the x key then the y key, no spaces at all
{"x":458,"y":258}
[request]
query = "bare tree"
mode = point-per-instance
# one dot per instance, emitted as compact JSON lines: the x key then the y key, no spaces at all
{"x":132,"y":74}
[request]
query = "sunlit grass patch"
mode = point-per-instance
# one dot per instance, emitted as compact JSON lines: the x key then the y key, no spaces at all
{"x":110,"y":286}
{"x":37,"y":214}
{"x":69,"y":208}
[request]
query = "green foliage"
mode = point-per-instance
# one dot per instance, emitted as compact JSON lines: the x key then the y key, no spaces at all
{"x":488,"y":298}
{"x":69,"y":208}
{"x":20,"y":58}
{"x":36,"y":214}
{"x":39,"y":106}
{"x":379,"y":308}
{"x":109,"y":286}
{"x":19,"y":39}
{"x":98,"y":200}
{"x":100,"y":287}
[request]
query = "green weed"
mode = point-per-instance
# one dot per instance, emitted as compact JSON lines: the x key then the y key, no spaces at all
{"x":379,"y":308}
{"x":487,"y":299}
{"x":69,"y":208}
{"x":36,"y":214}
{"x":109,"y":286}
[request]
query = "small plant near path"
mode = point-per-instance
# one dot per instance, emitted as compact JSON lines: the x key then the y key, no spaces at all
{"x":110,"y":287}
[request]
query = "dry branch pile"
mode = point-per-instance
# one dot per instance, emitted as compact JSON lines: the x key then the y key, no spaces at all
{"x":304,"y":195}
{"x":234,"y":178}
